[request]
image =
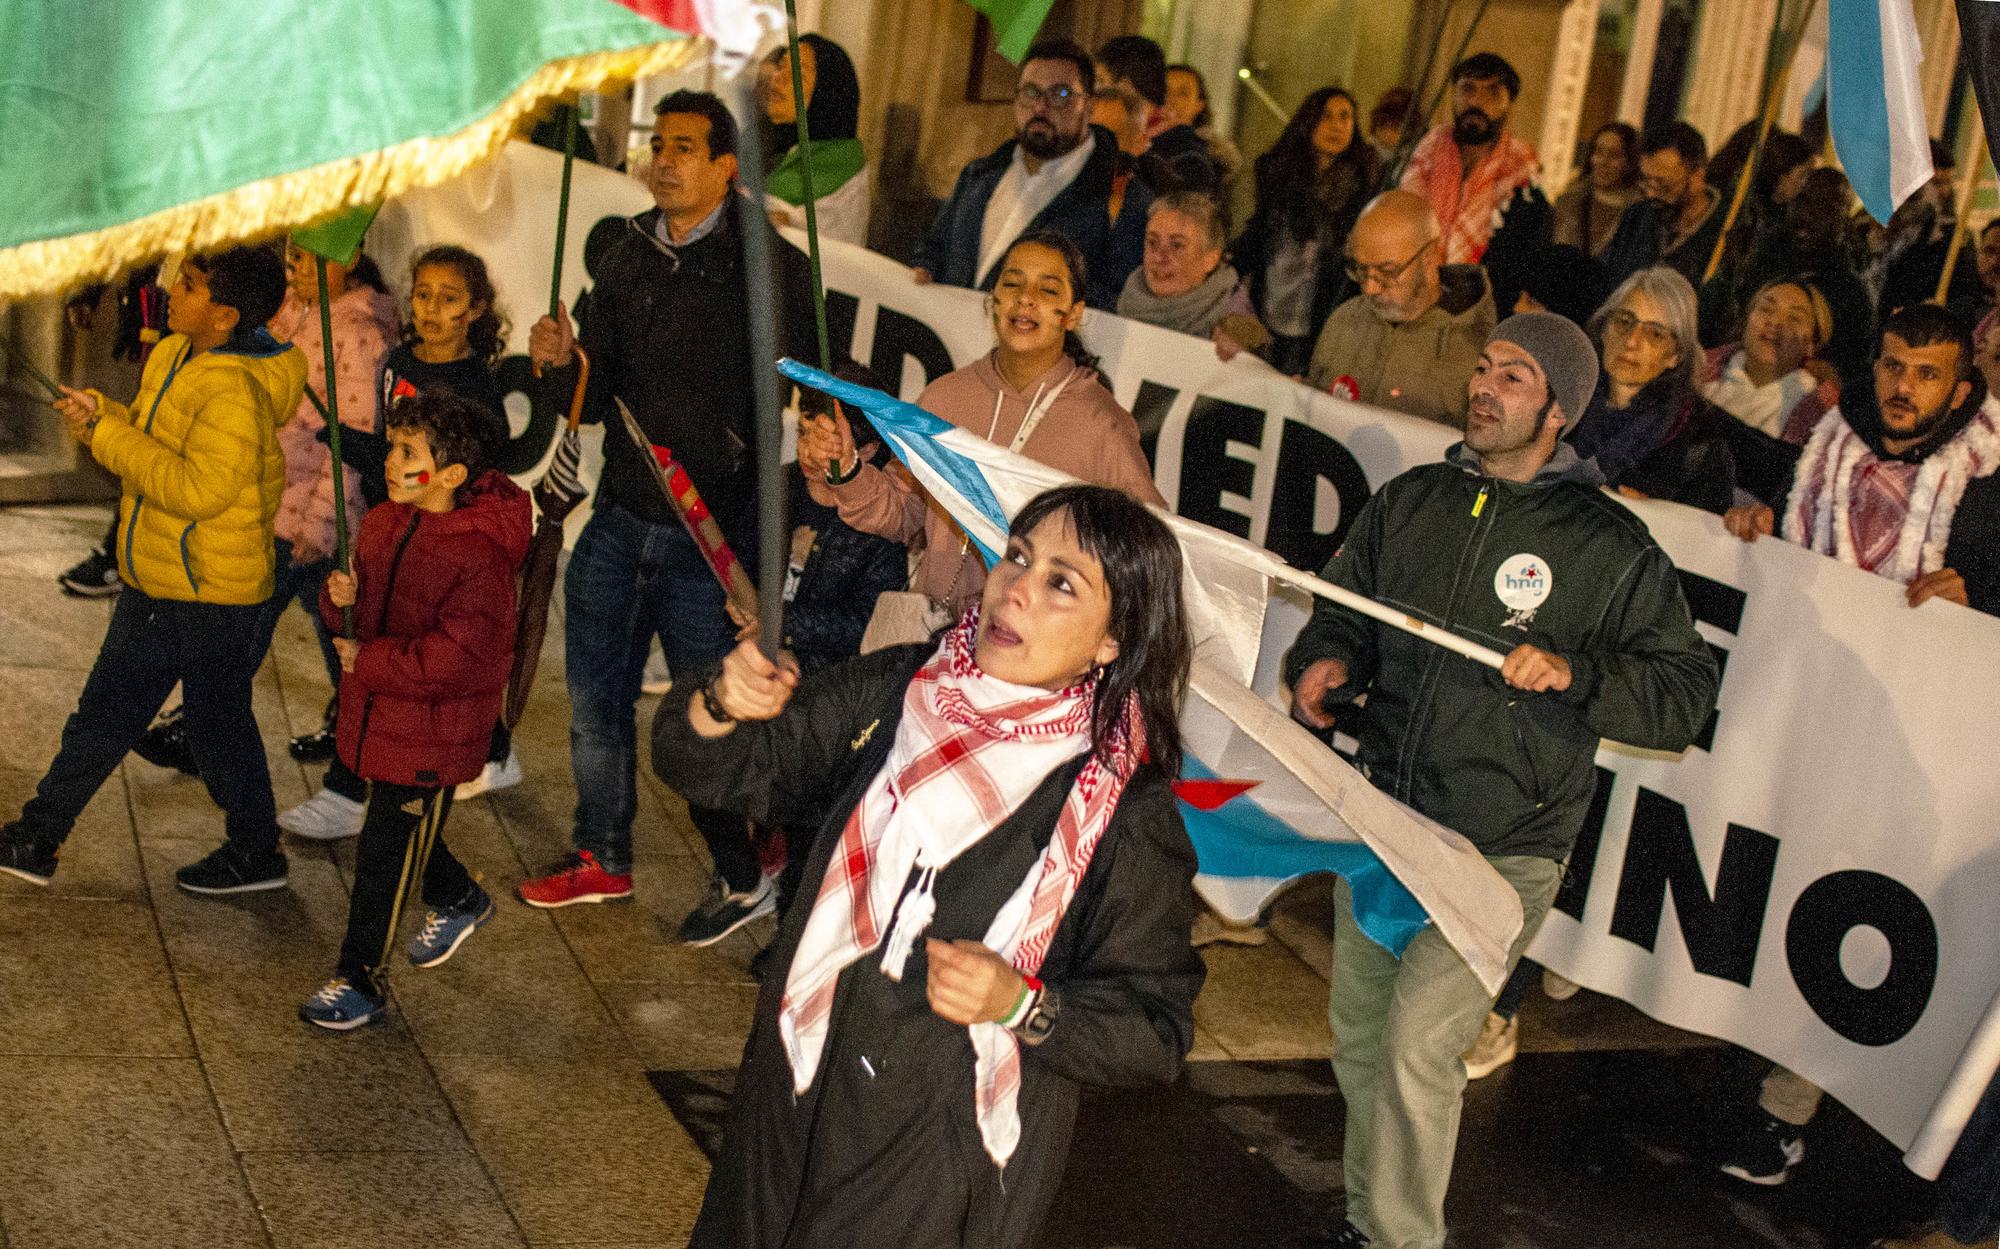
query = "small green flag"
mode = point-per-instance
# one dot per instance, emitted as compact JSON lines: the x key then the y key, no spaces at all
{"x":338,"y":238}
{"x":1015,"y":23}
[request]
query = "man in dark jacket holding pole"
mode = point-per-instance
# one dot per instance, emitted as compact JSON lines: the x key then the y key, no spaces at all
{"x":1509,"y":543}
{"x":668,"y":334}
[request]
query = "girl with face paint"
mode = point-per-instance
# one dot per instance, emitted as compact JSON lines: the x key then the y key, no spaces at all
{"x":452,"y":339}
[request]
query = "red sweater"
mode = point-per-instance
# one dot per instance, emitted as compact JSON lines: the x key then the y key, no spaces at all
{"x":434,"y":612}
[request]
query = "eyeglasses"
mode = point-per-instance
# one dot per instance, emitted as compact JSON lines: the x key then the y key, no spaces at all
{"x":1384,"y":274}
{"x":1058,"y":98}
{"x":1622,"y":324}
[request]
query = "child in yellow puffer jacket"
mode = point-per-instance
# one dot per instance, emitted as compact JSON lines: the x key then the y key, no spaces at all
{"x":197,"y":457}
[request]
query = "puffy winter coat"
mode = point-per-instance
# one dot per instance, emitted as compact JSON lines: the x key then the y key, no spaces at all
{"x":197,"y":453}
{"x":364,"y":328}
{"x":434,"y":612}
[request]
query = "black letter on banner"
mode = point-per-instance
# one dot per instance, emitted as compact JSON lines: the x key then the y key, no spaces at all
{"x":1207,"y":468}
{"x":841,"y":309}
{"x":1721,"y":933}
{"x":898,"y":335}
{"x":1714,"y":603}
{"x":1575,"y":889}
{"x":1825,"y":913}
{"x":1149,"y":410}
{"x":1305,"y":458}
{"x":526,"y":449}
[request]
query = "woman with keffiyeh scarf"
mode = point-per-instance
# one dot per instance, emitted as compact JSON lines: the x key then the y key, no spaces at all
{"x":1001,"y":893}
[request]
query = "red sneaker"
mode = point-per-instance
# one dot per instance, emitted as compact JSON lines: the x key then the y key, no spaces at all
{"x":578,"y":879}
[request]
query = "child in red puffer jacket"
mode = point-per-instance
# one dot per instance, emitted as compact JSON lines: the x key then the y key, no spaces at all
{"x":433,"y":601}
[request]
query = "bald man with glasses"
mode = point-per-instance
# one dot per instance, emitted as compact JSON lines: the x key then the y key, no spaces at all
{"x":1410,"y":336}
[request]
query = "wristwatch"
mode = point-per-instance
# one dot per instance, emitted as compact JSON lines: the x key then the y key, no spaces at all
{"x":1041,"y":1018}
{"x":713,"y":705}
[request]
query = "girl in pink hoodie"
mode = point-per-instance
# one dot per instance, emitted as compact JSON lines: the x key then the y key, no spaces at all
{"x":364,"y":329}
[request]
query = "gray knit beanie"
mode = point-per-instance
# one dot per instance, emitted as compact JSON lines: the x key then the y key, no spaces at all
{"x":1565,"y":354}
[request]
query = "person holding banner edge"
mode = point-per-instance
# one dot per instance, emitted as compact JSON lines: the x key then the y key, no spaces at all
{"x":1509,"y":542}
{"x":675,"y":278}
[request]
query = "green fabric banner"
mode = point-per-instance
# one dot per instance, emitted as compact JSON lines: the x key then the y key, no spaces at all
{"x":1015,"y":23}
{"x":117,"y":109}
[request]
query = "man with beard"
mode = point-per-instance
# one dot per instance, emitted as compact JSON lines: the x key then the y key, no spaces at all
{"x":1057,"y":173}
{"x":668,"y":334}
{"x":1470,"y":170}
{"x":1680,"y":215}
{"x":1409,"y":339}
{"x":1511,"y":543}
{"x":1904,"y":486}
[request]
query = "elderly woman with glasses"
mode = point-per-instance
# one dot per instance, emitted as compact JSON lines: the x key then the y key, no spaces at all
{"x":1647,"y":429}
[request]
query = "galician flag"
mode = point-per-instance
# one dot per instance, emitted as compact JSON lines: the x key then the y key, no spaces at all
{"x":142,"y":128}
{"x":1263,"y":800}
{"x":1875,"y":101}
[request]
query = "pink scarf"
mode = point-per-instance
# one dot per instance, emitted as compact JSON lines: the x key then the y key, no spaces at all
{"x":969,"y":750}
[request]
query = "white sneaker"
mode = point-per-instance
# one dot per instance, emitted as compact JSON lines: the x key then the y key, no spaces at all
{"x":1561,"y":988}
{"x":1498,"y":1041}
{"x":656,"y":679}
{"x":326,"y":816}
{"x":491,"y":777}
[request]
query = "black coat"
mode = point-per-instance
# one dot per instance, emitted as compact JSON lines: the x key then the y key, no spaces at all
{"x":668,"y":332}
{"x":844,"y":573}
{"x":883,"y":1148}
{"x":1081,"y":212}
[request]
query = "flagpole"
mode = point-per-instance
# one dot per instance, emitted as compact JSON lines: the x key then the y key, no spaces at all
{"x":763,"y":313}
{"x":562,"y":206}
{"x":1771,"y":101}
{"x":332,"y":410}
{"x":1966,"y":183}
{"x":806,"y":176}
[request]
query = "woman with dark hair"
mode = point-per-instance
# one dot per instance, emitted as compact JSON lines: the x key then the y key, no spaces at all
{"x":833,"y":116}
{"x":1311,"y":186}
{"x":1037,"y":392}
{"x":1587,"y":214}
{"x":1001,"y":901}
{"x":1187,"y":100}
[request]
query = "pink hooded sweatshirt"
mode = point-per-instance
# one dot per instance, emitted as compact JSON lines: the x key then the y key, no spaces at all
{"x":364,"y":328}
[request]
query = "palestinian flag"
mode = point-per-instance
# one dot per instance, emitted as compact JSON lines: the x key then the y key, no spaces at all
{"x":1979,"y":50}
{"x":140,"y":128}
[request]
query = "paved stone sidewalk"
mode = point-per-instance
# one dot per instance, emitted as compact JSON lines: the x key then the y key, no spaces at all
{"x":162,"y":1092}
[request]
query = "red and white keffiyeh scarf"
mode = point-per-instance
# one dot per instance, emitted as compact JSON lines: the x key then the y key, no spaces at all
{"x":969,"y":750}
{"x":1468,"y":201}
{"x":1888,"y":517}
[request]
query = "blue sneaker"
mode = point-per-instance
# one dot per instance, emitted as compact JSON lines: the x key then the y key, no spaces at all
{"x":444,"y":931}
{"x":341,"y":1007}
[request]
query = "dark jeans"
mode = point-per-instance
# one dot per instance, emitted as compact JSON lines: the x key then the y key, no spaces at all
{"x":1526,"y":972}
{"x":300,"y":585}
{"x":404,"y":823}
{"x":628,"y":582}
{"x":150,"y":644}
{"x":1969,"y":1185}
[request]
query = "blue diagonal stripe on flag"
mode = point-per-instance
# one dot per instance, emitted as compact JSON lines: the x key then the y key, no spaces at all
{"x":1875,"y":105}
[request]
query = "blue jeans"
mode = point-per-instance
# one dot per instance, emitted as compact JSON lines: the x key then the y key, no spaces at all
{"x":630,"y":581}
{"x":301,"y":584}
{"x":1969,"y":1185}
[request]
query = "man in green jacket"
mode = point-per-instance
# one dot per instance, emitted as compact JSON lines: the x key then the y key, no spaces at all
{"x":1509,"y":543}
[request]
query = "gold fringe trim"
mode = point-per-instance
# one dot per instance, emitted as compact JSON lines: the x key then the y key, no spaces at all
{"x":267,"y":207}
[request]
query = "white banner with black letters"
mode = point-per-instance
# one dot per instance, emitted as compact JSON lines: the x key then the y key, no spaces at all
{"x":1811,"y":881}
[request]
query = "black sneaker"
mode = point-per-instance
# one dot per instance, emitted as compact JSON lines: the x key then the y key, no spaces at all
{"x":165,"y":745}
{"x":95,"y":577}
{"x":230,"y":870}
{"x":1766,"y":1152}
{"x":317,"y":747}
{"x":1345,"y":1236}
{"x":25,"y":857}
{"x":723,"y":912}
